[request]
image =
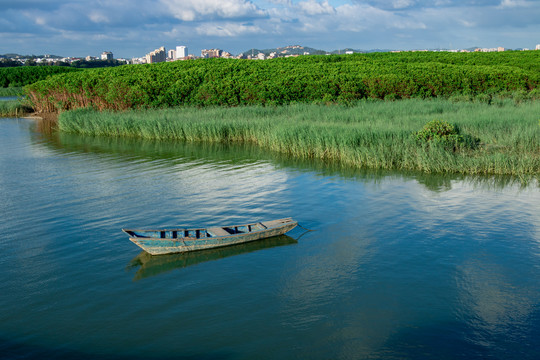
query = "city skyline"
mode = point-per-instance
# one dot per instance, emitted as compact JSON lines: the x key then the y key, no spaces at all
{"x":132,"y":29}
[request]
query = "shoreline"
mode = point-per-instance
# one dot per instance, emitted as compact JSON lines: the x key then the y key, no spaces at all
{"x":53,"y":117}
{"x":376,"y":135}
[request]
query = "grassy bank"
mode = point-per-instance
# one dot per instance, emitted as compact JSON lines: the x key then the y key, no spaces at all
{"x":13,"y":108}
{"x":307,"y":79}
{"x":371,"y":134}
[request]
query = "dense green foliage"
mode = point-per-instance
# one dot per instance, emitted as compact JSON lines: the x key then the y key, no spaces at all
{"x":24,"y":75}
{"x":371,"y":134}
{"x":307,"y":79}
{"x":446,"y":134}
{"x":91,"y":64}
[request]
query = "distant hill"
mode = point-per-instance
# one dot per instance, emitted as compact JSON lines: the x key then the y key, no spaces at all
{"x":287,"y":50}
{"x":304,"y":50}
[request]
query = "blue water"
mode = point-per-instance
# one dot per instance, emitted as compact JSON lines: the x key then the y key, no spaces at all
{"x":400,"y":266}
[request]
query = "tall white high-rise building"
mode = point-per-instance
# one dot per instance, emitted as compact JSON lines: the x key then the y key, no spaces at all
{"x":181,"y":52}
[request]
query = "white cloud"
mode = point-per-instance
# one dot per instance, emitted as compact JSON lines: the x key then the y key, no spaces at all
{"x":466,"y":23}
{"x":323,"y":24}
{"x":313,"y":7}
{"x":512,"y":3}
{"x":40,"y":20}
{"x":400,"y":4}
{"x":361,"y":17}
{"x":98,"y":17}
{"x":191,"y":10}
{"x":230,"y":29}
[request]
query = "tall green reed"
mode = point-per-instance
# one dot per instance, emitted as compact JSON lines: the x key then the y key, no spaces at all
{"x":370,"y":134}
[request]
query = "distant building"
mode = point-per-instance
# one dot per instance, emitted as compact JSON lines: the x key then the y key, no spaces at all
{"x":212,"y":53}
{"x":538,"y":47}
{"x":141,"y":60}
{"x":90,"y":58}
{"x":489,"y":49}
{"x":156,"y":56}
{"x":171,"y":54}
{"x":181,"y":52}
{"x":106,"y":55}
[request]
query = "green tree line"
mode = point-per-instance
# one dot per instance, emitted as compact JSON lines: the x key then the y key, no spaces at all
{"x":305,"y":79}
{"x":25,"y":75}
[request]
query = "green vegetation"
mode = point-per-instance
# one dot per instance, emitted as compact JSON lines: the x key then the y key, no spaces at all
{"x":307,"y":79}
{"x":13,"y":108}
{"x":369,"y":134}
{"x":24,"y":75}
{"x":448,"y":135}
{"x":11,"y":91}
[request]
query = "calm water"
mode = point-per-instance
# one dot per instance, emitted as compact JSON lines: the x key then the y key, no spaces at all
{"x":401,"y":266}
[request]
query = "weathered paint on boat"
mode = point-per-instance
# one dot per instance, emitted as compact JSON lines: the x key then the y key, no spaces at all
{"x":168,"y":241}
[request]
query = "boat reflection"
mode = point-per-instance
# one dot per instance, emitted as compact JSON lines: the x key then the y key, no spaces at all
{"x":150,"y":265}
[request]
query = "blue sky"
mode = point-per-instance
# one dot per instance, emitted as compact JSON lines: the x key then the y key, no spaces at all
{"x":131,"y":28}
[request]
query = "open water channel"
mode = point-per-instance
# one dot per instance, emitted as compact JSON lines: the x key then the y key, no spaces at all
{"x":400,"y":266}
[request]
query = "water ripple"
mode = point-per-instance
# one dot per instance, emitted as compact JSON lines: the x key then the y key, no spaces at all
{"x":400,"y":266}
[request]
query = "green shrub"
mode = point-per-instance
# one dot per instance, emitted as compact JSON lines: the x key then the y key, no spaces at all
{"x":445,"y":134}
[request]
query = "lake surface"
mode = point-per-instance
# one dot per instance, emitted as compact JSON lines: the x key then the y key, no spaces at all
{"x":400,"y":266}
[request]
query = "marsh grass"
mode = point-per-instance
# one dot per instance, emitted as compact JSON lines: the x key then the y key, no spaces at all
{"x":11,"y":91}
{"x":13,"y":108}
{"x":371,"y":134}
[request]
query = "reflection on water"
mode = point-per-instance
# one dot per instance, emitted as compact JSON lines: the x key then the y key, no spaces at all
{"x":402,"y":265}
{"x":154,"y":265}
{"x":242,"y":153}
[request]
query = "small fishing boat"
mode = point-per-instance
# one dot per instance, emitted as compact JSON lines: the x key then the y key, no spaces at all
{"x":168,"y":241}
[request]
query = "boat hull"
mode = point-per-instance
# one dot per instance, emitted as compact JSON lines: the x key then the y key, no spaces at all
{"x":159,"y":246}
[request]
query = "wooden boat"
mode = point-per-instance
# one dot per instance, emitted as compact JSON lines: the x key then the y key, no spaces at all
{"x":168,"y":241}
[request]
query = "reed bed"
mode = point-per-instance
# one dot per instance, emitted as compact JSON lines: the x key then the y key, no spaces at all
{"x":11,"y":91}
{"x":13,"y":108}
{"x":370,"y":134}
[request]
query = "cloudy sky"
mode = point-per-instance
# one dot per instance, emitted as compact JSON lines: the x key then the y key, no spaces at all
{"x":131,"y":28}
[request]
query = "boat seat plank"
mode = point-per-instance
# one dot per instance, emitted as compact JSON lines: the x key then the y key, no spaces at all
{"x":218,"y":231}
{"x":273,"y":223}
